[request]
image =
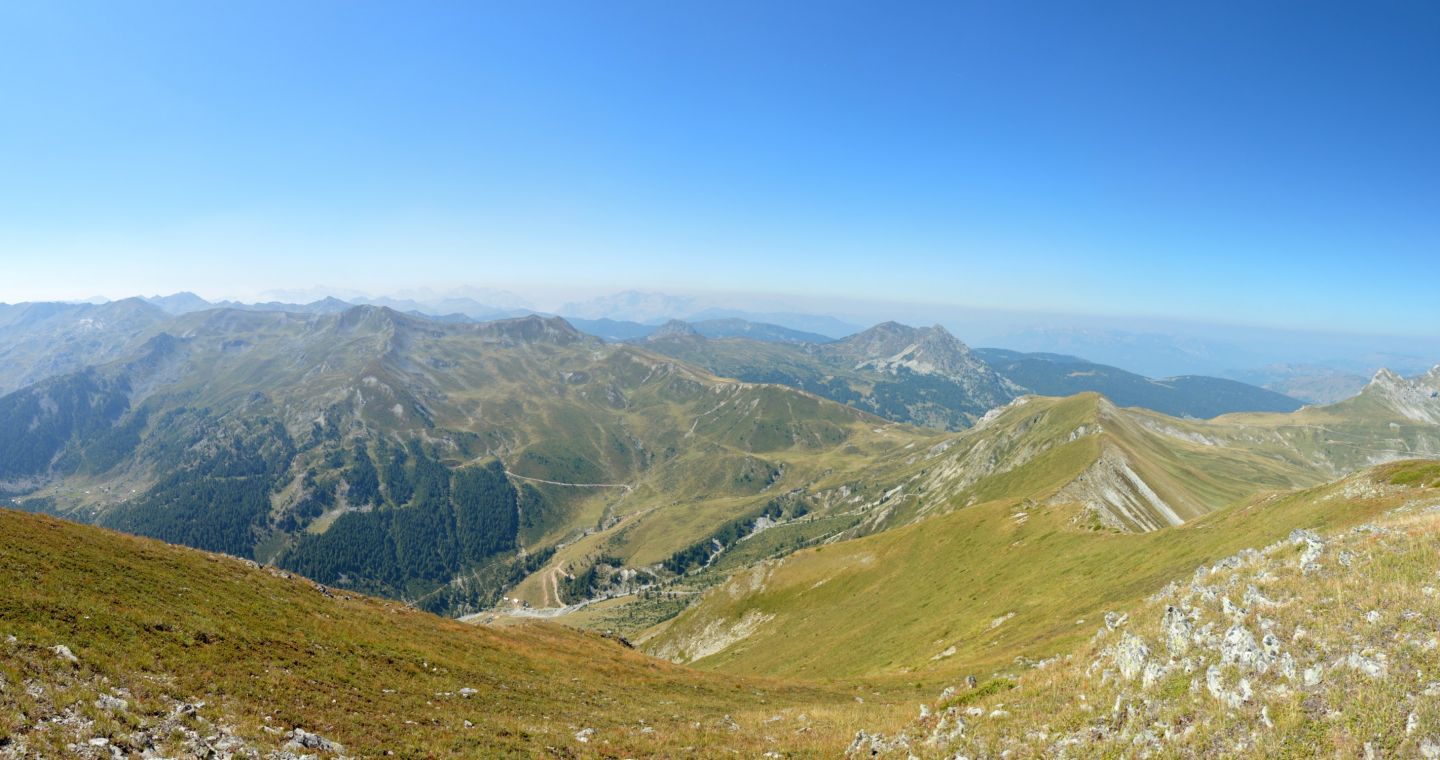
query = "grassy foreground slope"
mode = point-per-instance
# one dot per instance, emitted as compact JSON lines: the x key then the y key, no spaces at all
{"x":167,"y":640}
{"x":1317,"y":645}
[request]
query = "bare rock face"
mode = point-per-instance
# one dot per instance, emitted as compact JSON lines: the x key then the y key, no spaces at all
{"x":1240,"y":648}
{"x":1178,"y":629}
{"x":1118,"y":496}
{"x":1130,"y":656}
{"x":1416,"y":399}
{"x":306,"y":740}
{"x":1312,"y":548}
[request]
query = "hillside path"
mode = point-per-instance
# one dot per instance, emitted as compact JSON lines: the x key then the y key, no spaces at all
{"x":625,"y":486}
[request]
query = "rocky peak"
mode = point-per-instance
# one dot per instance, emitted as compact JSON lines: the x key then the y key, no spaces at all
{"x":328,"y":305}
{"x":363,"y":318}
{"x":529,"y":329}
{"x":1416,"y":399}
{"x":937,"y":338}
{"x":881,"y":341}
{"x":928,"y":351}
{"x":675,"y":328}
{"x":1384,"y":376}
{"x":183,"y":302}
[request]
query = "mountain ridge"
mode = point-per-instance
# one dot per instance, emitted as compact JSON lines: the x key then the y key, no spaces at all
{"x":247,"y":431}
{"x":1095,"y":472}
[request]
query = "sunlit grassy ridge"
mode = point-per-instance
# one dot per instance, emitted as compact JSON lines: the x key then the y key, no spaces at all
{"x":1008,"y":575}
{"x":1316,"y":645}
{"x":1041,"y":515}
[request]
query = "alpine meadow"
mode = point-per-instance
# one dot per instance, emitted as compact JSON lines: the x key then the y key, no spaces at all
{"x":762,"y":380}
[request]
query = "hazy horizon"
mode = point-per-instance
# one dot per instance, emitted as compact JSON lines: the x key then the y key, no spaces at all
{"x":1154,"y":346}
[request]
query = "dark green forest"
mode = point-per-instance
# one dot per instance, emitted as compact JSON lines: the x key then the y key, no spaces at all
{"x":699,"y":553}
{"x":216,"y":494}
{"x":453,"y":520}
{"x":36,"y":424}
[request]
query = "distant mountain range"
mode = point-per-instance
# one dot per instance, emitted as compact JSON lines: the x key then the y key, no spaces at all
{"x":387,"y":452}
{"x":922,"y":376}
{"x":733,"y":327}
{"x":751,"y":506}
{"x":1184,"y":396}
{"x":189,"y":303}
{"x":1312,"y":367}
{"x":41,"y":340}
{"x":1311,"y":383}
{"x":646,"y":308}
{"x":1317,"y":367}
{"x":926,"y":376}
{"x":643,"y":313}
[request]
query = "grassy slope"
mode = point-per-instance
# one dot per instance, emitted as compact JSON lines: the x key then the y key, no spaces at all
{"x":1027,"y":454}
{"x":714,"y":452}
{"x":1034,"y":449}
{"x":888,"y":603}
{"x":945,"y":574}
{"x":1335,"y":439}
{"x":1370,"y":596}
{"x":264,"y":650}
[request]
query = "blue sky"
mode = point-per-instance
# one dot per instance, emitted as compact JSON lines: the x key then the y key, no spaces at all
{"x":1272,"y":163}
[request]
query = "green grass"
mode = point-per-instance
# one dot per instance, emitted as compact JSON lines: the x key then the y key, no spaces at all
{"x":265,"y":650}
{"x":1319,"y":618}
{"x":984,"y":691}
{"x":1423,"y":474}
{"x":890,"y":604}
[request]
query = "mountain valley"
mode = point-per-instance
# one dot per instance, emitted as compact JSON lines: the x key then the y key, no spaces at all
{"x":879,"y":516}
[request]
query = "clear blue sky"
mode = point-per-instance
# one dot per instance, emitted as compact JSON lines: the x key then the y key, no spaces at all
{"x":1270,"y":162}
